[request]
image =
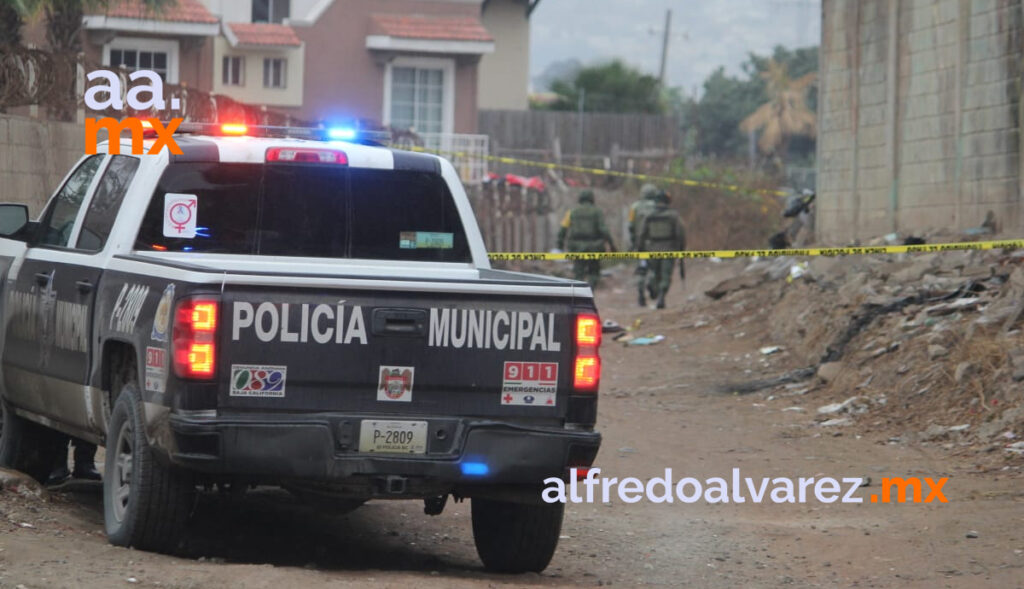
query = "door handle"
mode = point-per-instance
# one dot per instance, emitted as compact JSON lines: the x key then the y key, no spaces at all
{"x":84,"y":286}
{"x":411,"y":322}
{"x":43,"y":278}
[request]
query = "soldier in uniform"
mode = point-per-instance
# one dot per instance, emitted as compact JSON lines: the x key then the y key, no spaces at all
{"x":637,"y":212}
{"x":662,"y":231}
{"x":583,"y":230}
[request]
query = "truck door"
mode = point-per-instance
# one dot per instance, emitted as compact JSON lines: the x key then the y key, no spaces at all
{"x":44,"y":353}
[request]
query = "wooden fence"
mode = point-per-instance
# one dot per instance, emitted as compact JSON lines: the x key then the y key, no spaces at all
{"x":600,"y":134}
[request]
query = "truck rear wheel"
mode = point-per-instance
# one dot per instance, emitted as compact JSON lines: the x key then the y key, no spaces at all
{"x":516,"y":537}
{"x":26,"y":446}
{"x":145,"y":502}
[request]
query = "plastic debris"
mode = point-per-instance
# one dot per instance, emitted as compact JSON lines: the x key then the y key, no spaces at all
{"x":646,"y":341}
{"x":610,"y":326}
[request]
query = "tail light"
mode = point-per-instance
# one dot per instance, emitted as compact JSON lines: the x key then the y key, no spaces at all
{"x":194,"y":338}
{"x":587,"y":371}
{"x":306,"y":155}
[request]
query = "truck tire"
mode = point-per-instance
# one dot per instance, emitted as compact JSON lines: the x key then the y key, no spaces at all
{"x":516,"y":537}
{"x":145,"y":501}
{"x":26,"y":446}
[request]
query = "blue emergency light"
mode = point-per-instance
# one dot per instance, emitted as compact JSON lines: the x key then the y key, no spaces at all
{"x":342,"y":133}
{"x":475,"y":469}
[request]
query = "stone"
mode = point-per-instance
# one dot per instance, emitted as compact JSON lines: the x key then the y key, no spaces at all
{"x":837,"y":422}
{"x":855,"y":404}
{"x":914,"y":272}
{"x":21,"y":483}
{"x":829,"y":371}
{"x":745,"y":280}
{"x":1017,"y":364}
{"x":963,"y":370}
{"x":936,"y":351}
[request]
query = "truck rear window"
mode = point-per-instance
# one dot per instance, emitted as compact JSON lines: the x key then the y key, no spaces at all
{"x":308,"y":211}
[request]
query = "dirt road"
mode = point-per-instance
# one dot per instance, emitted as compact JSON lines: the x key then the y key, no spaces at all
{"x":659,"y":409}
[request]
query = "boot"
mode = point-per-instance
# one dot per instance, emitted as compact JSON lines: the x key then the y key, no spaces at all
{"x":58,"y":475}
{"x":85,"y":461}
{"x":661,"y":300}
{"x":640,"y":300}
{"x":86,"y":472}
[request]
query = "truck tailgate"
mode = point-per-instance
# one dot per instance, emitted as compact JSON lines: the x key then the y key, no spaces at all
{"x":408,"y":353}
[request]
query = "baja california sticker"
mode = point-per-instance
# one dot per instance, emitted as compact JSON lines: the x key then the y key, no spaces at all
{"x":162,"y":317}
{"x":395,"y":383}
{"x":156,"y":369}
{"x":180,"y":215}
{"x":249,"y":380}
{"x":529,"y":383}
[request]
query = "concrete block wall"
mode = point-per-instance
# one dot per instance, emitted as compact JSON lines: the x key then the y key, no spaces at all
{"x":35,"y":155}
{"x":919,"y":121}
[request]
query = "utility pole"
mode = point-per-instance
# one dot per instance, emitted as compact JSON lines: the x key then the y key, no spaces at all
{"x":579,"y":135}
{"x":664,"y":46}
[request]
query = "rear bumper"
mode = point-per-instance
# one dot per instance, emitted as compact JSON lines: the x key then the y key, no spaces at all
{"x":324,"y":448}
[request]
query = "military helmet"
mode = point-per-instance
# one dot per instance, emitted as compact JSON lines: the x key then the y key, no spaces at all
{"x":649,"y":191}
{"x":587,"y":196}
{"x":661,"y":197}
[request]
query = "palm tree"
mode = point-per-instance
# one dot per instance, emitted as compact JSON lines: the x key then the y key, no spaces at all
{"x":785,"y":115}
{"x":64,"y":36}
{"x":10,"y":24}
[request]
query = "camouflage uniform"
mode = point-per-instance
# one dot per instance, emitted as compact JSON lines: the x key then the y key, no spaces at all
{"x":583,"y":230}
{"x":662,"y":231}
{"x":637,"y":211}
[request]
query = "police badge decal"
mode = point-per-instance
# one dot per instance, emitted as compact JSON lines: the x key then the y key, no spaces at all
{"x":395,"y":383}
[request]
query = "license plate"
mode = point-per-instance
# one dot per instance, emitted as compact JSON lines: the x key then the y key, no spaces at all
{"x":393,"y":437}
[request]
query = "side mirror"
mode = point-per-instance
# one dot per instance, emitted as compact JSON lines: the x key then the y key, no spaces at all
{"x":13,"y":218}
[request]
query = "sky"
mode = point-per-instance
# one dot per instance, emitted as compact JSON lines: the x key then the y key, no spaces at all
{"x":706,"y":34}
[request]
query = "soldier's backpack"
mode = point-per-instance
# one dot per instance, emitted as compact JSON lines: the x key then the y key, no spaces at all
{"x":583,"y":224}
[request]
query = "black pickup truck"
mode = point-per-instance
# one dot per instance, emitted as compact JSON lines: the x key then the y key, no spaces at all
{"x":316,"y":315}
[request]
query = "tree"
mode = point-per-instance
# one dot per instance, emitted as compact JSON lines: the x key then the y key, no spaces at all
{"x":10,"y":24}
{"x":610,"y":87}
{"x":785,"y":115}
{"x":728,"y":100}
{"x":64,"y":36}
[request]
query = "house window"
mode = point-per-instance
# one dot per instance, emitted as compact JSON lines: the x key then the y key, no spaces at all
{"x":233,"y":72}
{"x":275,"y":73}
{"x":141,"y":53}
{"x":273,"y":11}
{"x":418,"y":98}
{"x":138,"y":59}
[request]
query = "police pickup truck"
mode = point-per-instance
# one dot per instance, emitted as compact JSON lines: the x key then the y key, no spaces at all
{"x":320,"y":315}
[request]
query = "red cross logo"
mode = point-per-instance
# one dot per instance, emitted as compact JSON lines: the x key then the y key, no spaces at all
{"x":507,"y":399}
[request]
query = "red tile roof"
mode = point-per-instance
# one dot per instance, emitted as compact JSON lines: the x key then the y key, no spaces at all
{"x":447,"y":28}
{"x":180,"y":11}
{"x":264,"y":34}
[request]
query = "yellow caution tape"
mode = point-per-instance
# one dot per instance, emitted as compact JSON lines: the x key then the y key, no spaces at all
{"x":597,"y":171}
{"x":817,"y":251}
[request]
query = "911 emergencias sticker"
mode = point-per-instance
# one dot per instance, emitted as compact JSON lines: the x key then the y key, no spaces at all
{"x":249,"y":380}
{"x":529,"y":383}
{"x":156,"y":369}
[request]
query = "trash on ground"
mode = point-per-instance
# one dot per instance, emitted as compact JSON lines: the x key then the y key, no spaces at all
{"x":610,"y":326}
{"x":646,"y":341}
